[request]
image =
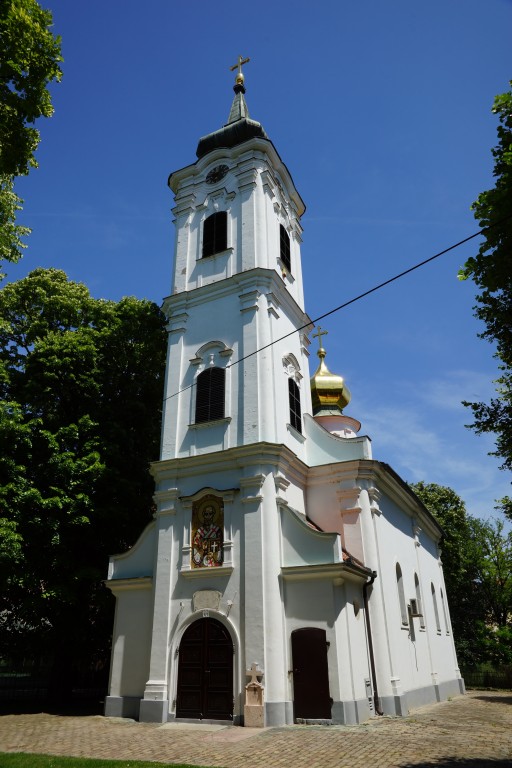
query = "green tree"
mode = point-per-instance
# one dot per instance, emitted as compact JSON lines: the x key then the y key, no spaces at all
{"x":477,"y":565}
{"x":457,"y":556}
{"x":81,"y":382}
{"x":493,"y":565}
{"x":30,"y":60}
{"x":491,"y":270}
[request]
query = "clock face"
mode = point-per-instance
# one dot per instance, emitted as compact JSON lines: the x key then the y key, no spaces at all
{"x":216,"y":174}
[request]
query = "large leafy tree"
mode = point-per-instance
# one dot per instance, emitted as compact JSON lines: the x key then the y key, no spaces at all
{"x":30,"y":60}
{"x":457,"y":555}
{"x":477,"y":565}
{"x":81,"y":384}
{"x":493,"y":564}
{"x":491,"y":270}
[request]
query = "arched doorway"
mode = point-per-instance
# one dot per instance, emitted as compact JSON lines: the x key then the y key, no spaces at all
{"x":311,"y":698}
{"x":205,"y":672}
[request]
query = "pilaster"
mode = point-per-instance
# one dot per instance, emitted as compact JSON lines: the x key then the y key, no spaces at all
{"x":155,"y":705}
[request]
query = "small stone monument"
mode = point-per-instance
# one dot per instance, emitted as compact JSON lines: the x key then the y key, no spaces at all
{"x":253,"y":710}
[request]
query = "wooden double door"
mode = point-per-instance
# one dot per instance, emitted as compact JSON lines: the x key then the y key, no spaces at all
{"x":205,"y":672}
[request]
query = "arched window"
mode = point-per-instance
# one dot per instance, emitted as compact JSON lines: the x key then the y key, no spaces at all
{"x":401,"y":596}
{"x":436,"y":611}
{"x":294,"y":399}
{"x":215,"y":234}
{"x":419,"y":602}
{"x":284,"y":248}
{"x":445,"y":614}
{"x":210,"y":390}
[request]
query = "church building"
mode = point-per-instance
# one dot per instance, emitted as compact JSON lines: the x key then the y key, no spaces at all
{"x":287,"y":575}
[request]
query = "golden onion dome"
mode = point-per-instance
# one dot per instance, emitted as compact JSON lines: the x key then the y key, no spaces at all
{"x":329,"y":393}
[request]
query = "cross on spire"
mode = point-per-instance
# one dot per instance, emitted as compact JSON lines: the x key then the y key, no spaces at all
{"x":319,"y":335}
{"x":240,"y":77}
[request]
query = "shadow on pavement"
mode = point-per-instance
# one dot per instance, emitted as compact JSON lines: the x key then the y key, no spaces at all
{"x":460,"y":762}
{"x":78,"y":708}
{"x":495,"y":699}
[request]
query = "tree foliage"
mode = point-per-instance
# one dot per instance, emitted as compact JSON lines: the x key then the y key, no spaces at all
{"x":29,"y":61}
{"x":477,"y":565}
{"x":11,"y":234}
{"x":81,"y":385}
{"x":493,"y":565}
{"x":491,"y":270}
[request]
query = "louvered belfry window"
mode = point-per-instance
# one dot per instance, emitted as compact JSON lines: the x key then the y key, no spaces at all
{"x":215,"y":233}
{"x":295,"y":413}
{"x":211,"y":385}
{"x":284,"y":248}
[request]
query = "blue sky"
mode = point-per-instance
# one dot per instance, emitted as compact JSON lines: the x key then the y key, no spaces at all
{"x":381,"y":112}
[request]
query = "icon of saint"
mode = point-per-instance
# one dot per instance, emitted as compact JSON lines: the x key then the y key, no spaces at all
{"x":207,"y":540}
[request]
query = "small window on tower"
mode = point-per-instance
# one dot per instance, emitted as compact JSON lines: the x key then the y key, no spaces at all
{"x":284,"y":248}
{"x":215,"y":233}
{"x":295,"y":412}
{"x":211,"y":385}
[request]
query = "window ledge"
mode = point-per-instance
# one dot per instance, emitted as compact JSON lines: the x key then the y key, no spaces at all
{"x":212,"y":570}
{"x":295,"y":432}
{"x":219,"y":253}
{"x":212,"y":423}
{"x":285,"y":272}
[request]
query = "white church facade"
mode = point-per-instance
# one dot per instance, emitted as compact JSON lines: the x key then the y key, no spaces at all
{"x":278,"y":540}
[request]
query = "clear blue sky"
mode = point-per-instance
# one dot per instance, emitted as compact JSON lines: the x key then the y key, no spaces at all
{"x":381,"y":112}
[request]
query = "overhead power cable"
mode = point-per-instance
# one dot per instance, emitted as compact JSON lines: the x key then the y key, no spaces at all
{"x":356,"y":298}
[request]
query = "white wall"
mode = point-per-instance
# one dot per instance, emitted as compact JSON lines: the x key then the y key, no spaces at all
{"x":131,"y":642}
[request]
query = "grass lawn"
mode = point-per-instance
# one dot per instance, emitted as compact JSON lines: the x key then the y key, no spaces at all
{"x":23,"y":760}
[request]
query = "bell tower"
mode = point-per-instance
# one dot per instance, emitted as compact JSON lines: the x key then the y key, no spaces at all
{"x":236,"y":289}
{"x":272,"y":520}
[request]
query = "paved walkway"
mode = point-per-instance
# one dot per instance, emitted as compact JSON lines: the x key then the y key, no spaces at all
{"x":471,"y":731}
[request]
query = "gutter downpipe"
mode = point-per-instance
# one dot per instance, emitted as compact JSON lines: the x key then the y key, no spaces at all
{"x":376,"y":700}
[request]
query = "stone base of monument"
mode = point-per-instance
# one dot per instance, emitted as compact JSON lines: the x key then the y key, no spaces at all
{"x":254,"y":716}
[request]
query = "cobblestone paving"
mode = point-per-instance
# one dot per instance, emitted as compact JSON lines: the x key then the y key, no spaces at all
{"x":473,"y":730}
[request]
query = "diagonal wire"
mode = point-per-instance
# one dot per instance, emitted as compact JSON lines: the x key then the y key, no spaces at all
{"x":356,"y":298}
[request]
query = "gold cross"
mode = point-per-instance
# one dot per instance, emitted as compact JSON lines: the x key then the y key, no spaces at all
{"x":319,"y":335}
{"x":241,"y":61}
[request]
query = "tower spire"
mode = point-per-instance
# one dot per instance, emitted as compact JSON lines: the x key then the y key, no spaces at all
{"x":239,"y":107}
{"x":239,"y":127}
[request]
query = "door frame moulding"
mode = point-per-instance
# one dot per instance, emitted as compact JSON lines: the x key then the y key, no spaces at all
{"x":174,"y":661}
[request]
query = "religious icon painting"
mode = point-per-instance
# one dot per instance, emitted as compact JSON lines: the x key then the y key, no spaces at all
{"x":207,"y":532}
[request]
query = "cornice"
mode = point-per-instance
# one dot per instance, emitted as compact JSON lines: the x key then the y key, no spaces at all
{"x":262,"y":280}
{"x":366,"y":473}
{"x":253,"y":150}
{"x":338,"y":572}
{"x":277,"y":455}
{"x":125,"y":585}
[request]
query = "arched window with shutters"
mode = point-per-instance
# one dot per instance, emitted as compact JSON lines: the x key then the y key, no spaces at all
{"x":210,"y":395}
{"x":401,"y":596}
{"x":215,"y":234}
{"x":284,"y":248}
{"x":294,"y":400}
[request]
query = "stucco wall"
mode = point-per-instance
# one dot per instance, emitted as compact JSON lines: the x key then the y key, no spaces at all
{"x":131,"y":643}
